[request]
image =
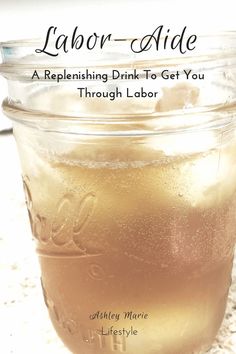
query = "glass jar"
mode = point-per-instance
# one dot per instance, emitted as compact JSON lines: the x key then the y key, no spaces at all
{"x":131,"y":200}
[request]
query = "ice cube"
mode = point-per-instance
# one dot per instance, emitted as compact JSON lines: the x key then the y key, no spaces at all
{"x":179,"y":96}
{"x":183,"y":143}
{"x":172,"y":328}
{"x":211,"y":178}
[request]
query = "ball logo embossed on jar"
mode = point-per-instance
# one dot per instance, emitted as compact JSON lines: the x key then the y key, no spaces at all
{"x":71,"y":217}
{"x":28,"y":197}
{"x":28,"y":200}
{"x":61,"y":224}
{"x":85,"y":211}
{"x":39,"y":224}
{"x":40,"y":228}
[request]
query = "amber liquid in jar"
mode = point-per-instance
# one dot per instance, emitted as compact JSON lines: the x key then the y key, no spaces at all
{"x":125,"y":229}
{"x":132,"y":200}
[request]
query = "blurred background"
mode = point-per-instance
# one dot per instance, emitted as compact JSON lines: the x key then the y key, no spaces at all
{"x":25,"y":325}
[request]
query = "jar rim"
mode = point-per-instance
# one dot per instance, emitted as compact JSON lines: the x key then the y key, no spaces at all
{"x":33,"y":41}
{"x":217,"y":56}
{"x":18,"y":56}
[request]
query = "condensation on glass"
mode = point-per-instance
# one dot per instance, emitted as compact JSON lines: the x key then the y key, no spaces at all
{"x":131,"y":201}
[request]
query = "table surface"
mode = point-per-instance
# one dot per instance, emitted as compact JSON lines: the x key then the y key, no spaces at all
{"x":25,"y":325}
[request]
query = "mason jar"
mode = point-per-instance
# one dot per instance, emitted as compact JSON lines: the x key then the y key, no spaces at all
{"x":132,"y":199}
